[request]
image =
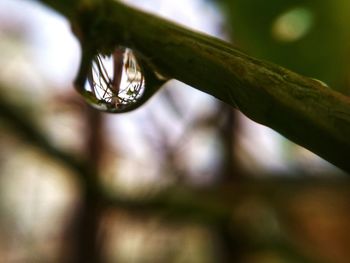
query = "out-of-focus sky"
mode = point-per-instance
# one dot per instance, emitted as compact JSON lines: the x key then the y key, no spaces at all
{"x":53,"y":48}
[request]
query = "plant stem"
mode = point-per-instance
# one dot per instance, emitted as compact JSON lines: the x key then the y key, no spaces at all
{"x":300,"y":108}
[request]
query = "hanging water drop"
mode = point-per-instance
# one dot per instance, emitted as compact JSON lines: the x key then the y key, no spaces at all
{"x":119,"y":82}
{"x":114,"y":83}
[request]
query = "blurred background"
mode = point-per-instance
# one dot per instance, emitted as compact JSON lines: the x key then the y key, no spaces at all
{"x":184,"y":178}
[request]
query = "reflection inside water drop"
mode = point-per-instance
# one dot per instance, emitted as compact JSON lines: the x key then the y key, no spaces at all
{"x":115,"y":82}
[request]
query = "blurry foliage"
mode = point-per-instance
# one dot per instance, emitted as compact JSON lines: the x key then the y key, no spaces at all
{"x":307,"y":36}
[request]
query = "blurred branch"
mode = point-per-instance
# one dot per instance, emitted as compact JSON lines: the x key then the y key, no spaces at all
{"x":88,"y":240}
{"x":302,"y":109}
{"x":172,"y":202}
{"x":22,"y":125}
{"x":213,"y":206}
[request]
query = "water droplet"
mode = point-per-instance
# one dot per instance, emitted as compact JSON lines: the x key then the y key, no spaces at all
{"x":119,"y":82}
{"x":116,"y":83}
{"x":321,"y":82}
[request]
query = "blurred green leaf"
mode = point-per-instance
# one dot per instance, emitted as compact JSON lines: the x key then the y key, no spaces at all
{"x":307,"y":36}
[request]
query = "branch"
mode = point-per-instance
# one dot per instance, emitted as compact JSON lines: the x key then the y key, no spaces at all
{"x":300,"y":108}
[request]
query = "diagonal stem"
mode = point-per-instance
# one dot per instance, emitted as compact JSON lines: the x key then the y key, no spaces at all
{"x":300,"y":108}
